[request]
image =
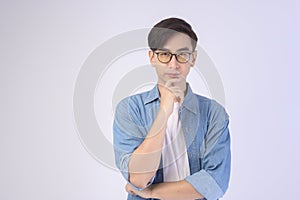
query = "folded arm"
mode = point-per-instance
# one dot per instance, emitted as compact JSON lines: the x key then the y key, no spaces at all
{"x":179,"y":190}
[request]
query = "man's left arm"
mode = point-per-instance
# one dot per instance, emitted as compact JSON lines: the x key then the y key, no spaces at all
{"x":215,"y":157}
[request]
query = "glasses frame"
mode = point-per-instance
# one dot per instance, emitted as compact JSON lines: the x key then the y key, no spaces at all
{"x":174,"y":54}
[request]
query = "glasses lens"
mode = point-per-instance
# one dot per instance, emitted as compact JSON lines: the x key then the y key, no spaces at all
{"x":183,"y":57}
{"x":164,"y":57}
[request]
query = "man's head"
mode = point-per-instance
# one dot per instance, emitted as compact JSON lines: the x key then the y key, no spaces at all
{"x":172,"y":52}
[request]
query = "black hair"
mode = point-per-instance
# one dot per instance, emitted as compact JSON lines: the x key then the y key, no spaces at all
{"x":166,"y":28}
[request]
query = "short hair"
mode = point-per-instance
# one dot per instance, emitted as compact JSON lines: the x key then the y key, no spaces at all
{"x":165,"y":29}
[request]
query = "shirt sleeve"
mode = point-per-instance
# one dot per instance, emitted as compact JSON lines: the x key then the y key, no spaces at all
{"x":128,"y":133}
{"x":215,"y":157}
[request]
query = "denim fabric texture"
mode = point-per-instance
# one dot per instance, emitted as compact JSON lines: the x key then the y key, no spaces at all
{"x":205,"y":128}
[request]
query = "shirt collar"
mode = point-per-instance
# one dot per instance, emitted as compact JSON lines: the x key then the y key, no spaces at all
{"x":152,"y":95}
{"x":190,"y":100}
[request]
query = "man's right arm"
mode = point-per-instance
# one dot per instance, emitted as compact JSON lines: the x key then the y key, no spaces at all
{"x":138,"y":159}
{"x":145,"y":160}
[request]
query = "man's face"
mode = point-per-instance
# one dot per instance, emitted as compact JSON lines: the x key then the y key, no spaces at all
{"x":179,"y":44}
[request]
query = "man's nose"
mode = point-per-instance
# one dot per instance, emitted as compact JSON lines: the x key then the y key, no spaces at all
{"x":173,"y":63}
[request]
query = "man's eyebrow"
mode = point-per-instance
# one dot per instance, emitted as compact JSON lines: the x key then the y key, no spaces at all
{"x":163,"y":49}
{"x":183,"y":49}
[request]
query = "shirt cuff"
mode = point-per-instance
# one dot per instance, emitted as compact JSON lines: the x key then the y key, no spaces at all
{"x":205,"y":185}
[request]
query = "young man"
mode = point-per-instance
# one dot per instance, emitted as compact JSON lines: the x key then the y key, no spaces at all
{"x":169,"y":142}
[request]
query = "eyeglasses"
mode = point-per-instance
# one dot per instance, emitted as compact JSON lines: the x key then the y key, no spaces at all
{"x":166,"y":57}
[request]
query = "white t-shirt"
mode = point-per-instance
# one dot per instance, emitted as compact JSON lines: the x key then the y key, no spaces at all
{"x":174,"y":154}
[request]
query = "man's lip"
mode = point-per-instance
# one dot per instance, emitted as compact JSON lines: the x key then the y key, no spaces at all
{"x":173,"y":74}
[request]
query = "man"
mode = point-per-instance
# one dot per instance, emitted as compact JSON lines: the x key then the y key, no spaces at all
{"x":169,"y":142}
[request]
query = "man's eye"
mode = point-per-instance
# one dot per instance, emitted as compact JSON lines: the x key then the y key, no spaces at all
{"x":165,"y":54}
{"x":184,"y":54}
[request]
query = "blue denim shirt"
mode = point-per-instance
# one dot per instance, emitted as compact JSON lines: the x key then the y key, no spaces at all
{"x":205,"y":127}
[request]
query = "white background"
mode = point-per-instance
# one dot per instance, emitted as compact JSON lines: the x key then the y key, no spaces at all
{"x":43,"y":44}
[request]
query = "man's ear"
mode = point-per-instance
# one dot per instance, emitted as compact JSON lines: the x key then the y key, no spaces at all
{"x":151,"y":56}
{"x":194,"y":57}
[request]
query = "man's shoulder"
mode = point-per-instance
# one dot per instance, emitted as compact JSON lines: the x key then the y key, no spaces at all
{"x":135,"y":99}
{"x":208,"y":101}
{"x":203,"y":99}
{"x":211,"y":106}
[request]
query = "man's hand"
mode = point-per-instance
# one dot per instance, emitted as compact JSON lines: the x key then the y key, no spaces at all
{"x":178,"y":87}
{"x":146,"y":193}
{"x":172,"y":91}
